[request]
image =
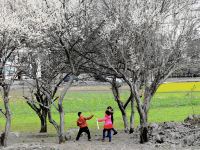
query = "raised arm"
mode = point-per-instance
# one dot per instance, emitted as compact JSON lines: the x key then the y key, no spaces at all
{"x":102,"y":119}
{"x":88,"y":118}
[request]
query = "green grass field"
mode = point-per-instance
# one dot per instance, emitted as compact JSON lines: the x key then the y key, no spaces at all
{"x":172,"y":102}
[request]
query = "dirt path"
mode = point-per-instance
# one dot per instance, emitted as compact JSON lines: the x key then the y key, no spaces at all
{"x":121,"y":141}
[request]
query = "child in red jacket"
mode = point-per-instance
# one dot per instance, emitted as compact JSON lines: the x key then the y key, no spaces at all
{"x":81,"y":122}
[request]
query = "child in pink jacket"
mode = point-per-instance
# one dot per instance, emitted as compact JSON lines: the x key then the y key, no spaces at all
{"x":107,"y":125}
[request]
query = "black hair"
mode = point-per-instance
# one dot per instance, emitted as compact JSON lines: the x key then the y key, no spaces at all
{"x":109,"y":107}
{"x":107,"y":112}
{"x":79,"y":113}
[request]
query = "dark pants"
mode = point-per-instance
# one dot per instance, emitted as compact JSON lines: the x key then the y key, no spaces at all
{"x":115,"y":131}
{"x":81,"y":130}
{"x":109,"y":134}
{"x":112,"y":119}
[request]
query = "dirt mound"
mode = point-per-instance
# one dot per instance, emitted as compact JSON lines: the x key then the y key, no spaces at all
{"x":181,"y":134}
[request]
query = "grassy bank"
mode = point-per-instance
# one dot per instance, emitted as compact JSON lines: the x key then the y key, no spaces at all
{"x":174,"y":104}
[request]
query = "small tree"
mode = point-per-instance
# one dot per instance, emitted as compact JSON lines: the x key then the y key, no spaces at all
{"x":45,"y":70}
{"x":68,"y":30}
{"x":11,"y":40}
{"x":115,"y":85}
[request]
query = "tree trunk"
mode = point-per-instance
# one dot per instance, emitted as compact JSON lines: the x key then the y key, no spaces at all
{"x":115,"y":90}
{"x":144,"y":117}
{"x":132,"y":117}
{"x":42,"y":114}
{"x":144,"y":134}
{"x":53,"y":121}
{"x":62,"y":123}
{"x":143,"y":129}
{"x":142,"y":113}
{"x":61,"y":111}
{"x":4,"y":136}
{"x":125,"y":120}
{"x":43,"y":121}
{"x":124,"y":116}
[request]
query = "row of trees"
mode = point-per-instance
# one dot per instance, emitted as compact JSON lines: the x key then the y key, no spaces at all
{"x":139,"y":42}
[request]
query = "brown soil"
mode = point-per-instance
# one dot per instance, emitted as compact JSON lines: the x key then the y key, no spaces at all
{"x":163,"y":136}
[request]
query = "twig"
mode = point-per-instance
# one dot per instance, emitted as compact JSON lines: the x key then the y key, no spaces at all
{"x":3,"y":112}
